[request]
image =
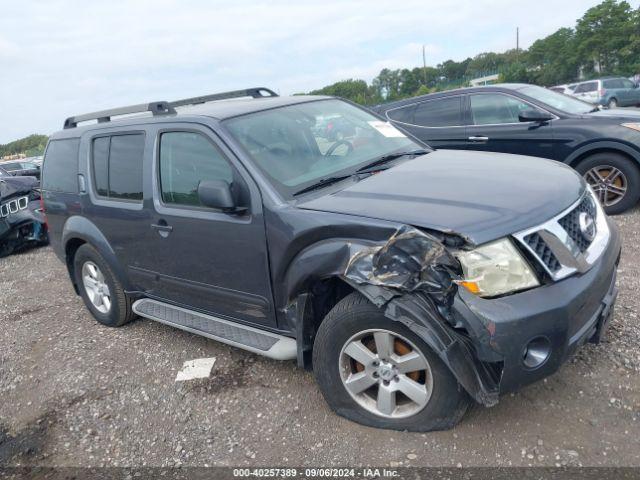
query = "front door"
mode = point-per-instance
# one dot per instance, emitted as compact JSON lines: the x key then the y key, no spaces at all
{"x":199,"y":257}
{"x":495,"y":127}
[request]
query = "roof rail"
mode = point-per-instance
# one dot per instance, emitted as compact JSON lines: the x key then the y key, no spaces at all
{"x":157,"y":108}
{"x":256,"y":92}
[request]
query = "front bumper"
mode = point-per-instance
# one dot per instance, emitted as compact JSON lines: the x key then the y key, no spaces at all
{"x":567,"y":313}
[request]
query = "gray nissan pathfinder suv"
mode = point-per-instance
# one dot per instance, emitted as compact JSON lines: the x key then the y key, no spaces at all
{"x":412,"y":281}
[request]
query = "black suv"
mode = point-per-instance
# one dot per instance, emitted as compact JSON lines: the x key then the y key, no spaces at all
{"x":412,"y":281}
{"x":603,"y":145}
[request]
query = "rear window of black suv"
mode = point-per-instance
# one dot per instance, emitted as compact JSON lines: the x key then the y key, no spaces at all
{"x":60,"y":167}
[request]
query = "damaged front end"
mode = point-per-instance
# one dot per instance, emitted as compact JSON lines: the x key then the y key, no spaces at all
{"x":22,"y":221}
{"x":413,"y":278}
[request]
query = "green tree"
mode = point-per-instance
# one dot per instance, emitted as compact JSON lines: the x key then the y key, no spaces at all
{"x":31,"y":146}
{"x":553,"y":60}
{"x":602,"y":35}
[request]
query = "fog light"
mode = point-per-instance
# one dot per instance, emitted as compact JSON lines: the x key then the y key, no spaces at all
{"x":536,"y":352}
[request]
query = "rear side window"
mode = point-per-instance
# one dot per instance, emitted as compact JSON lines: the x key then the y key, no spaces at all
{"x":117,"y":166}
{"x":402,"y":114}
{"x":187,"y":158}
{"x":60,"y":166}
{"x":10,"y":167}
{"x":615,"y":83}
{"x":587,"y":87}
{"x":443,"y":112}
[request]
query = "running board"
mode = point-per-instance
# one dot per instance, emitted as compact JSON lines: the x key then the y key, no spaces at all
{"x":257,"y":341}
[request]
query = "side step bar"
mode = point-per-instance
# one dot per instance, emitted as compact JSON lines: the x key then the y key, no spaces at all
{"x":257,"y":341}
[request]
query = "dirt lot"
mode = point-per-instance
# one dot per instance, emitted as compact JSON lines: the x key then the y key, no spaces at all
{"x":75,"y":393}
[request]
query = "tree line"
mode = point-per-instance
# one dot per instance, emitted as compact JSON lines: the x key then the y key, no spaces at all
{"x":605,"y":41}
{"x":31,"y":146}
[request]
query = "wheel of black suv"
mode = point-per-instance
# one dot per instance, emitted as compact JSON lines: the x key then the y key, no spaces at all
{"x":377,"y":372}
{"x":100,"y":289}
{"x":614,"y":178}
{"x":613,"y":103}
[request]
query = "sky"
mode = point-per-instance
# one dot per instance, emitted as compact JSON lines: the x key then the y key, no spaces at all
{"x":59,"y":57}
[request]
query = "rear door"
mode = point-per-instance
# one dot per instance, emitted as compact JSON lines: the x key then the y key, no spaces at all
{"x":495,"y":126}
{"x":195,"y":256}
{"x":438,"y":122}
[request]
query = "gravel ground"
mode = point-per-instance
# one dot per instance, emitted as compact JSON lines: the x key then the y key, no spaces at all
{"x":75,"y":393}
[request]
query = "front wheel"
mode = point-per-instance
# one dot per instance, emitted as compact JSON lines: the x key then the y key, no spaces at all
{"x":377,"y":372}
{"x":614,"y":178}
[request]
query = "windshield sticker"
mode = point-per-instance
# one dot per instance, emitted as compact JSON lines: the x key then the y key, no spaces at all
{"x":387,"y":129}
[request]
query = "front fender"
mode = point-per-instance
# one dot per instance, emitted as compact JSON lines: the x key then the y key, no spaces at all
{"x":419,"y":314}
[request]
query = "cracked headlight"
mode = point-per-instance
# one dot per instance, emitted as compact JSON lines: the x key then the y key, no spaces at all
{"x":495,"y":269}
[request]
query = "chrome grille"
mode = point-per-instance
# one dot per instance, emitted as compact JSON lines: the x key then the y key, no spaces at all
{"x":560,"y":245}
{"x":572,"y":226}
{"x":13,"y":206}
{"x":542,"y":251}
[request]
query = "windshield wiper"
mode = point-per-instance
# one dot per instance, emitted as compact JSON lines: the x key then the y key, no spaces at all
{"x":321,"y":183}
{"x":387,"y":158}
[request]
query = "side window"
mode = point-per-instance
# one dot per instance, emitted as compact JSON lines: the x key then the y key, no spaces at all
{"x":101,"y":165}
{"x":60,"y":166}
{"x":117,"y":166}
{"x":444,"y":112}
{"x":615,"y":83}
{"x":402,"y":114}
{"x":488,"y":109}
{"x":591,"y":87}
{"x":187,"y":158}
{"x":627,"y":83}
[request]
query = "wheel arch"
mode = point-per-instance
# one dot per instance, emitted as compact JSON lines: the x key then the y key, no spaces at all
{"x":602,"y":147}
{"x":78,"y":231}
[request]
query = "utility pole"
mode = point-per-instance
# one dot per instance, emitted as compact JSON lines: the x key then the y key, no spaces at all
{"x":424,"y":64}
{"x":517,"y":41}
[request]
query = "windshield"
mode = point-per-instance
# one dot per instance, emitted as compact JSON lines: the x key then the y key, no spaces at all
{"x":300,"y":145}
{"x":556,"y":100}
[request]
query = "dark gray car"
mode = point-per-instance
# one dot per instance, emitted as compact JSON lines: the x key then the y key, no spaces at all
{"x":412,"y":281}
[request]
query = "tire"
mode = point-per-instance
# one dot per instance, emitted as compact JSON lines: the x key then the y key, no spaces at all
{"x":612,"y":103}
{"x":119,"y":311}
{"x":354,"y":315}
{"x":604,"y":162}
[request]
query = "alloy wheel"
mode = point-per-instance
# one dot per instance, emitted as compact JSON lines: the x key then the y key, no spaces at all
{"x":385,"y":373}
{"x":608,"y":182}
{"x":96,"y":287}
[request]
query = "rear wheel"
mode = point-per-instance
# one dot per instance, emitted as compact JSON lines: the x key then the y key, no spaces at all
{"x":613,"y":103}
{"x":377,"y":372}
{"x":614,"y":178}
{"x":101,"y":291}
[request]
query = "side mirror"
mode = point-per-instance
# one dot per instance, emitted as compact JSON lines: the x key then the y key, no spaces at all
{"x":534,"y":116}
{"x":217,"y":194}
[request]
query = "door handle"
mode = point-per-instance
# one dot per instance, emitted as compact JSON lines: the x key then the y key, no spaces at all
{"x":163,"y":229}
{"x":478,"y":139}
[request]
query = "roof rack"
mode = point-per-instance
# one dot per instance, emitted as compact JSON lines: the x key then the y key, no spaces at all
{"x":157,"y":108}
{"x":256,"y":92}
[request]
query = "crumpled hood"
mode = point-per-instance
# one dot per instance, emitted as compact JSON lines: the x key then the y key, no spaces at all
{"x":479,"y":195}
